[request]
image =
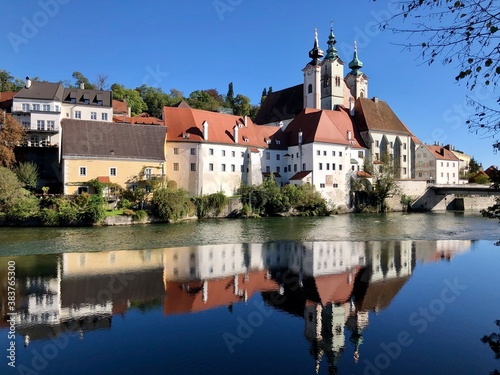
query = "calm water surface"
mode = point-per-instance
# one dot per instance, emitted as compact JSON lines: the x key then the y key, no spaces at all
{"x":351,"y":294}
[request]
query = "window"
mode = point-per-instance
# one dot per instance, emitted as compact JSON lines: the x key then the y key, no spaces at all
{"x":404,"y":170}
{"x":310,"y":89}
{"x":223,"y":152}
{"x":223,"y":167}
{"x":193,"y":151}
{"x":318,"y":152}
{"x":278,"y":169}
{"x":26,"y":107}
{"x":304,"y":166}
{"x":324,"y":153}
{"x":268,"y":156}
{"x":104,"y":116}
{"x":340,"y":153}
{"x":335,"y":185}
{"x":210,"y":151}
{"x":83,"y":171}
{"x":337,"y":81}
{"x":404,"y":146}
{"x":93,"y":115}
{"x":51,"y":125}
{"x":73,"y":100}
{"x":297,"y":154}
{"x":376,"y":156}
{"x":322,"y":185}
{"x":404,"y":158}
{"x":419,"y":174}
{"x":295,"y":167}
{"x":278,"y":157}
{"x":148,"y":173}
{"x":233,"y":154}
{"x":390,"y":144}
{"x":447,"y":164}
{"x":46,"y":107}
{"x":78,"y":114}
{"x":284,"y":169}
{"x":193,"y":167}
{"x":45,"y":142}
{"x":233,"y":168}
{"x":333,"y":153}
{"x":82,"y":189}
{"x":289,"y":168}
{"x":40,"y":125}
{"x":268,"y":169}
{"x":112,"y":171}
{"x":333,"y":166}
{"x":320,"y":166}
{"x":242,"y":168}
{"x":442,"y":164}
{"x":360,"y":154}
{"x":210,"y":167}
{"x":176,"y":151}
{"x":431,"y":163}
{"x":36,"y":107}
{"x":34,"y":141}
{"x":376,"y":143}
{"x":420,"y":164}
{"x":176,"y":167}
{"x":327,"y":166}
{"x":340,"y":167}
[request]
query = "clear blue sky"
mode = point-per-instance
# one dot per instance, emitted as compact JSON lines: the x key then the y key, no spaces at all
{"x":204,"y":44}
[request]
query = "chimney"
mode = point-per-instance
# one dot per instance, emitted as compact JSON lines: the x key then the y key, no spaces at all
{"x":82,"y":86}
{"x":28,"y":82}
{"x":235,"y":133}
{"x":351,"y":106}
{"x":205,"y":130}
{"x":375,"y":99}
{"x":245,"y":121}
{"x":349,"y":134}
{"x":300,"y":137}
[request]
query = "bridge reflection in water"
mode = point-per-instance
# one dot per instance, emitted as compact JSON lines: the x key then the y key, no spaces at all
{"x":330,"y":285}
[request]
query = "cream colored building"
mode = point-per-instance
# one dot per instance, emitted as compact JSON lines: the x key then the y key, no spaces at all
{"x":124,"y":154}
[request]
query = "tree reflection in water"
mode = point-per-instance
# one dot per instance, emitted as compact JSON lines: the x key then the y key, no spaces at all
{"x":493,"y":340}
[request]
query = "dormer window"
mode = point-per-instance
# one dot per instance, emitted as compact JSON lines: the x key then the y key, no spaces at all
{"x":86,"y":98}
{"x":185,"y":135}
{"x":245,"y":139}
{"x":99,"y":99}
{"x":278,"y":141}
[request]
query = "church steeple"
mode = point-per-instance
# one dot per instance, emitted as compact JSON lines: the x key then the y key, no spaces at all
{"x":355,"y":64}
{"x":331,"y":52}
{"x":316,"y":53}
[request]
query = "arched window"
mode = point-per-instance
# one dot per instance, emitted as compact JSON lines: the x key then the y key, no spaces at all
{"x":310,"y":89}
{"x":362,"y":94}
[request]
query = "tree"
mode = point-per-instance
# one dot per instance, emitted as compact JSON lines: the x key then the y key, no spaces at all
{"x":155,"y":99}
{"x":27,"y":173}
{"x":474,"y":166}
{"x":101,"y":82}
{"x":9,"y":83}
{"x":15,"y":202}
{"x":263,"y":96}
{"x":230,"y":96}
{"x":11,"y":135}
{"x":241,"y":106}
{"x":205,"y":99}
{"x":80,"y":78}
{"x":464,"y":33}
{"x":133,"y":97}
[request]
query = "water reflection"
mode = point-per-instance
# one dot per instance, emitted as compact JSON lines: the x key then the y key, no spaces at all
{"x":332,"y":286}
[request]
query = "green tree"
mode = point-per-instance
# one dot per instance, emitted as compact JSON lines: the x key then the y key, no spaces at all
{"x":263,"y":96}
{"x":9,"y":83}
{"x":241,"y":105}
{"x":171,"y":204}
{"x":15,"y":202}
{"x":204,"y":99}
{"x":133,"y":98}
{"x":474,"y":166}
{"x":230,"y":96}
{"x":462,"y":33}
{"x":27,"y":173}
{"x":11,"y":135}
{"x":155,"y":99}
{"x":80,"y":78}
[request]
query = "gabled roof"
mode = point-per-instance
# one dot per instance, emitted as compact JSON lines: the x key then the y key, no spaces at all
{"x":6,"y":99}
{"x":42,"y":90}
{"x":377,"y":115}
{"x":182,"y":104}
{"x":441,"y":153}
{"x":93,"y":97}
{"x":300,"y":175}
{"x":110,"y":140}
{"x":319,"y":125}
{"x":186,"y":125}
{"x":281,"y":105}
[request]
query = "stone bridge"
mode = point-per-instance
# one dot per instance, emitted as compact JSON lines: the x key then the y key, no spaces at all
{"x":464,"y":197}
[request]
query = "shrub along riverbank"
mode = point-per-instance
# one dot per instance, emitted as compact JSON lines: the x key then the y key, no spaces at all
{"x":20,"y":206}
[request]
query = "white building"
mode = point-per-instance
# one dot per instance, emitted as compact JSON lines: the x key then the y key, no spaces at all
{"x":437,"y":164}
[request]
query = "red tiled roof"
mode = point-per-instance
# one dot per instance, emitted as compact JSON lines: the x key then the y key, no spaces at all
{"x":300,"y":175}
{"x":336,"y":287}
{"x":119,"y":107}
{"x":441,"y":153}
{"x":181,"y":121}
{"x":7,"y":95}
{"x":268,"y":174}
{"x":364,"y":174}
{"x":320,"y":126}
{"x":103,"y":179}
{"x":377,"y":115}
{"x":143,"y":119}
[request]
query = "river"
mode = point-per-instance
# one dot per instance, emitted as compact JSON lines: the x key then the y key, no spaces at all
{"x":349,"y":294}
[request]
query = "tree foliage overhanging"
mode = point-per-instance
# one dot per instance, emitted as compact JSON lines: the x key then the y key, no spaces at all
{"x":461,"y":33}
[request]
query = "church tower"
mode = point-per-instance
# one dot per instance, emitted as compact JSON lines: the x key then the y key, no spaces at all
{"x":312,"y":77}
{"x":332,"y":73}
{"x":356,"y":80}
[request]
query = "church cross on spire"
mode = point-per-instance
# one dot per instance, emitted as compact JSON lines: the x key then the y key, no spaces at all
{"x":331,"y":52}
{"x":355,"y":64}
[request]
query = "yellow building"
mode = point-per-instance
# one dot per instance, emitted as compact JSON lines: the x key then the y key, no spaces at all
{"x":116,"y":153}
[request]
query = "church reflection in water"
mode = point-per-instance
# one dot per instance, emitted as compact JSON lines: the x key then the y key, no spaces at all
{"x":332,"y":286}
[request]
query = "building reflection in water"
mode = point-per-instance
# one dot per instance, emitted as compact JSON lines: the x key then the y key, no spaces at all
{"x":332,"y":286}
